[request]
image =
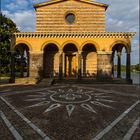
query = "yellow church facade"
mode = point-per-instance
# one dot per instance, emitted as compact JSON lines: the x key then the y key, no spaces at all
{"x":71,"y":42}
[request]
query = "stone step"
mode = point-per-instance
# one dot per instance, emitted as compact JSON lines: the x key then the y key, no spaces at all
{"x":46,"y":81}
{"x":27,"y":80}
{"x":92,"y":81}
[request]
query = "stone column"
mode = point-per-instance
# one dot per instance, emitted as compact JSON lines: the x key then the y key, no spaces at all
{"x":12,"y":78}
{"x":128,"y":63}
{"x":60,"y":64}
{"x":119,"y":65}
{"x":0,"y":61}
{"x":104,"y":65}
{"x":28,"y":63}
{"x":22,"y":63}
{"x":79,"y":65}
{"x":63,"y":65}
{"x":82,"y":65}
{"x":113,"y":64}
{"x":36,"y":64}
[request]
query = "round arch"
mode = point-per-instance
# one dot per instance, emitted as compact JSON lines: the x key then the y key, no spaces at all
{"x":91,"y":42}
{"x":23,"y":42}
{"x":49,"y":42}
{"x":50,"y":59}
{"x":70,"y":42}
{"x":126,"y":45}
{"x":89,"y":61}
{"x":70,"y":47}
{"x":22,"y":49}
{"x":120,"y":57}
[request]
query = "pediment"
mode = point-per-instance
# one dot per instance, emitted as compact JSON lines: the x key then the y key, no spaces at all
{"x":58,"y":1}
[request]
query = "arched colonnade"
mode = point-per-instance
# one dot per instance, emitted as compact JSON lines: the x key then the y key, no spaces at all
{"x":69,"y":60}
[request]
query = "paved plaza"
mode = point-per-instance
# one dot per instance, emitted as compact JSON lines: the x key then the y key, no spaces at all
{"x":69,"y":112}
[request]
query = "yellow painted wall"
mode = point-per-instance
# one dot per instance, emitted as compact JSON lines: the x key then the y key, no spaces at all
{"x":102,"y":44}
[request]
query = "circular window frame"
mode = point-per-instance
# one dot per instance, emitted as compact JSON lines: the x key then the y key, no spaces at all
{"x":67,"y":14}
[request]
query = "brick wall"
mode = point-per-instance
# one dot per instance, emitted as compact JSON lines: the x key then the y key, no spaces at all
{"x":89,"y":18}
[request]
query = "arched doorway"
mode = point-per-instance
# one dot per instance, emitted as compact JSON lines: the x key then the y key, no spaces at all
{"x":120,"y":61}
{"x":70,"y":60}
{"x":21,"y":60}
{"x":89,"y":63}
{"x":51,"y":61}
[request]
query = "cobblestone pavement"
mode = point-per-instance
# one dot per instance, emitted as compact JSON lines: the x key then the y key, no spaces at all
{"x":69,"y":112}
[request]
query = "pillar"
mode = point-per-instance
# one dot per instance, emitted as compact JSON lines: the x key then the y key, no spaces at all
{"x":79,"y":65}
{"x":28,"y":64}
{"x":104,"y":65}
{"x":22,"y":63}
{"x":36,"y":64}
{"x":119,"y":65}
{"x":0,"y":61}
{"x":12,"y":78}
{"x":63,"y":65}
{"x":128,"y":63}
{"x":60,"y":64}
{"x":113,"y":64}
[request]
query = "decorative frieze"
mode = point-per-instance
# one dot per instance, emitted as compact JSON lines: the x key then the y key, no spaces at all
{"x":74,"y":34}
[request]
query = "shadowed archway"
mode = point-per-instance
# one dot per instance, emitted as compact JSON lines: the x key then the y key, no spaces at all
{"x":89,"y":65}
{"x":22,"y":60}
{"x":120,"y":52}
{"x":50,"y":60}
{"x":70,"y":60}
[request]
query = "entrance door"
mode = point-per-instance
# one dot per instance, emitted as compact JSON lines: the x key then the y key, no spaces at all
{"x":70,"y":65}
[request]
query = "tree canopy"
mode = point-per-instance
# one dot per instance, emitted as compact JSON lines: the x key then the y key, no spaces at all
{"x":7,"y":26}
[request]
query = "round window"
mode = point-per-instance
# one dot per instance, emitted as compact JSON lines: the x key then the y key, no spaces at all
{"x":70,"y":18}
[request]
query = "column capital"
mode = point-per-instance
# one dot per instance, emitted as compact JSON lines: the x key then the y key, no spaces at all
{"x":79,"y":52}
{"x":60,"y":51}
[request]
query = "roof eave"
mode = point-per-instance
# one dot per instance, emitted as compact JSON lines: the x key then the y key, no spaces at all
{"x":56,"y":1}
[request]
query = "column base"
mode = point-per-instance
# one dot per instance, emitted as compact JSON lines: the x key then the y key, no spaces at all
{"x":104,"y":75}
{"x":27,"y":80}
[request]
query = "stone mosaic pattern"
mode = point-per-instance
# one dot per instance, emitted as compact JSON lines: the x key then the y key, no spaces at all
{"x":69,"y":112}
{"x":70,"y":97}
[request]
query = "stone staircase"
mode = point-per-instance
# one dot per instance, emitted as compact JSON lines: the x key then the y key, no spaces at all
{"x":46,"y":82}
{"x":27,"y":80}
{"x":91,"y":81}
{"x":50,"y":81}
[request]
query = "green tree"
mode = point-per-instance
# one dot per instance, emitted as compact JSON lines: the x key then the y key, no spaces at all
{"x":137,"y":67}
{"x":7,"y":26}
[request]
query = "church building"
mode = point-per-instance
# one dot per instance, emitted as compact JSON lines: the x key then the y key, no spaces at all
{"x":70,"y":42}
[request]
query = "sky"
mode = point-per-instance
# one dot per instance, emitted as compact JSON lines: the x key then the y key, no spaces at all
{"x":121,"y":16}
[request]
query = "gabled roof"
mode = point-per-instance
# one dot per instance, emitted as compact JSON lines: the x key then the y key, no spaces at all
{"x":57,"y":1}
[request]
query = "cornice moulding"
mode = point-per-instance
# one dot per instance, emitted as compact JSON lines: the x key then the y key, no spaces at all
{"x":74,"y":34}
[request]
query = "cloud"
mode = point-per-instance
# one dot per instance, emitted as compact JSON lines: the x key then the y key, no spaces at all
{"x":121,"y":16}
{"x":17,"y":4}
{"x":39,"y":1}
{"x":25,"y":20}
